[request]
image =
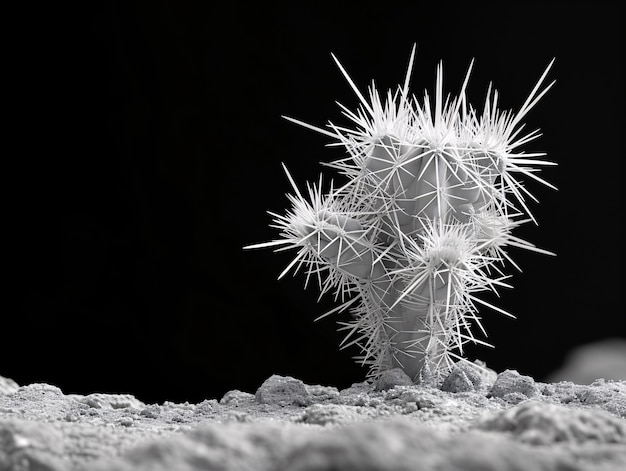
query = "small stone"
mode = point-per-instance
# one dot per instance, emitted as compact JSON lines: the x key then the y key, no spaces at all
{"x":466,"y":376}
{"x":510,"y":381}
{"x":39,"y":389}
{"x":392,"y":378}
{"x":109,"y":401}
{"x":236,"y":398}
{"x":208,"y":405}
{"x":459,"y":381}
{"x":282,"y":390}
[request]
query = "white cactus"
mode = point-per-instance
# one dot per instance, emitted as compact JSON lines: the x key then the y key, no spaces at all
{"x":421,"y":225}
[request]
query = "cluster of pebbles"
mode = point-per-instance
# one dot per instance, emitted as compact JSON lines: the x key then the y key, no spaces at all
{"x":475,"y":420}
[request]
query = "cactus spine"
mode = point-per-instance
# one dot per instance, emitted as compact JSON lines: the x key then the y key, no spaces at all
{"x":421,"y":225}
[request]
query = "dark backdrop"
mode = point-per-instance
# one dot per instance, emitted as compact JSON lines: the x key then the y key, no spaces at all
{"x":147,"y":144}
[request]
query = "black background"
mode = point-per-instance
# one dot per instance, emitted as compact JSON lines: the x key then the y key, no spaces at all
{"x":145,"y":145}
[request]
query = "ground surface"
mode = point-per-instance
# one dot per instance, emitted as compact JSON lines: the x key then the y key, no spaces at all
{"x":476,"y":420}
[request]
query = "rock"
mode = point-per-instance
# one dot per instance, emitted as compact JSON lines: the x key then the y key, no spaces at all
{"x":27,"y":445}
{"x":208,"y":406}
{"x":466,"y":376}
{"x":110,"y":401}
{"x":38,"y":391}
{"x":236,"y":398}
{"x":282,"y":390}
{"x":462,"y":378}
{"x":510,"y":381}
{"x":7,"y":385}
{"x":457,"y":381}
{"x":541,"y":423}
{"x":392,"y":378}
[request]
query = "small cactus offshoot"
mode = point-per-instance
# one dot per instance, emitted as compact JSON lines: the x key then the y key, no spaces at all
{"x":422,"y":225}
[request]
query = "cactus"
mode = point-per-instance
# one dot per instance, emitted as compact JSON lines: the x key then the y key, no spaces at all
{"x":420,"y":227}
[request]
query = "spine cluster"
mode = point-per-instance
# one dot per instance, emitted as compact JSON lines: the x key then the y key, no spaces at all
{"x":433,"y":191}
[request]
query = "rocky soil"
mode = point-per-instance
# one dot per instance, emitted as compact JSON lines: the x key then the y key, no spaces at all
{"x":475,"y":420}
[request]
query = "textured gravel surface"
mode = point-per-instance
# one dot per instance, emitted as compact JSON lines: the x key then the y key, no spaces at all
{"x":475,"y":420}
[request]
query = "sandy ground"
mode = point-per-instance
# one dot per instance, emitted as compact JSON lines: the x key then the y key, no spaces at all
{"x":475,"y":420}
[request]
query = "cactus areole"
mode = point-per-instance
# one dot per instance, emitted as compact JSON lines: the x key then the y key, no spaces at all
{"x":422,"y":225}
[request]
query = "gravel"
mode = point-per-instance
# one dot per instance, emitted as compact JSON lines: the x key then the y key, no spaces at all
{"x":476,"y":420}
